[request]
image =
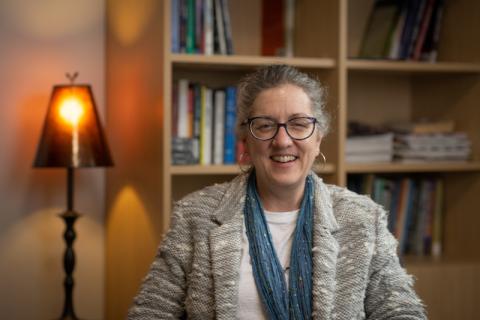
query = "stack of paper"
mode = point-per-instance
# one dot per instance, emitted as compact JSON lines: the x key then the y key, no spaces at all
{"x":370,"y":148}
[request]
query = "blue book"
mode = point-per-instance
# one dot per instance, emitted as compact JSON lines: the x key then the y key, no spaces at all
{"x":175,"y":26}
{"x":230,"y":119}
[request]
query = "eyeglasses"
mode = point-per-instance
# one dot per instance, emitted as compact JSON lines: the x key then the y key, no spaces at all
{"x":265,"y":128}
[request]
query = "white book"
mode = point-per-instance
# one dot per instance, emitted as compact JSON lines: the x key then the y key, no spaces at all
{"x":222,"y":44}
{"x":183,"y":122}
{"x":206,"y":126}
{"x":208,"y":27}
{"x":218,"y":126}
{"x":370,"y":143}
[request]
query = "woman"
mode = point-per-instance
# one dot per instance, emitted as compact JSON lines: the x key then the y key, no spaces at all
{"x":276,"y":242}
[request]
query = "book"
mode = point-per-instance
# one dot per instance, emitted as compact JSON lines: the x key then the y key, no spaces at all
{"x":227,"y":26}
{"x":230,"y":120}
{"x":175,"y":26}
{"x":437,"y":220}
{"x":190,"y":32}
{"x":273,"y":28}
{"x":219,"y":27}
{"x":430,"y":46}
{"x":208,"y":27}
{"x":218,"y":126}
{"x":380,"y":29}
{"x":422,"y":33}
{"x":206,"y":126}
{"x":199,"y":43}
{"x":182,"y":126}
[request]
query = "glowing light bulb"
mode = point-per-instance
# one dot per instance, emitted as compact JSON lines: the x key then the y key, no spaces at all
{"x":71,"y":110}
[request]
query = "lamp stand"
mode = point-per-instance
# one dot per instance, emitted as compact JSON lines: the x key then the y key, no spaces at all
{"x":69,"y":217}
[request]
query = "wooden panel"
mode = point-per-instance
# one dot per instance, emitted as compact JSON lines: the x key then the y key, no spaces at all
{"x":246,"y":17}
{"x":239,"y":61}
{"x":462,"y":216}
{"x":450,"y":97}
{"x":316,"y":28}
{"x":460,"y":32}
{"x":449,"y":291}
{"x":134,"y":85}
{"x":413,"y":167}
{"x":412,"y":67}
{"x":378,"y":98}
{"x":358,"y":15}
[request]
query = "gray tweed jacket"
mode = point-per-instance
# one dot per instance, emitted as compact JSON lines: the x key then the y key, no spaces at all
{"x":356,"y":272}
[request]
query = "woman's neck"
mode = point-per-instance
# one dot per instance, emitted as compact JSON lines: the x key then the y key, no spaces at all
{"x":280,"y":199}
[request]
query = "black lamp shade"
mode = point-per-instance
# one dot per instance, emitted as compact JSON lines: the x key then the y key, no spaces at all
{"x":72,"y":134}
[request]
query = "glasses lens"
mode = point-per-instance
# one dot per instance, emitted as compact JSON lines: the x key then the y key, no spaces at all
{"x":300,"y":128}
{"x":263,"y":128}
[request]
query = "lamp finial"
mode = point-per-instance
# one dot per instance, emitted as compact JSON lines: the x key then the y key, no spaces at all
{"x":72,"y":77}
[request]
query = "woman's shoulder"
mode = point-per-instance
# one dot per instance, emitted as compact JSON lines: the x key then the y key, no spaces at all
{"x":209,"y":197}
{"x":350,"y":206}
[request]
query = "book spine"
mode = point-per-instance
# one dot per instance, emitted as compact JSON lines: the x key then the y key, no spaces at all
{"x":230,"y":120}
{"x":199,"y":44}
{"x":417,"y":51}
{"x":208,"y":27}
{"x":175,"y":26}
{"x":183,"y":25}
{"x":182,"y":125}
{"x":175,"y":109}
{"x":218,"y":126}
{"x":222,"y":46}
{"x":190,"y":26}
{"x":438,"y":220}
{"x":197,"y":122}
{"x":227,"y":26}
{"x":206,"y":127}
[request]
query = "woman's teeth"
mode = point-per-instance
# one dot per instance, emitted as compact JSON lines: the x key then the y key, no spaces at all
{"x":283,"y":158}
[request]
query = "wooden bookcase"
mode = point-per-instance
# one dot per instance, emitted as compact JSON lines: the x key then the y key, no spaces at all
{"x":142,"y":186}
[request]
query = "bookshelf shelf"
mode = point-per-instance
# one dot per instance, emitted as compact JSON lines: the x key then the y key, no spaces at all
{"x":241,"y":61}
{"x":392,"y":167}
{"x":412,"y":67}
{"x":177,"y":170}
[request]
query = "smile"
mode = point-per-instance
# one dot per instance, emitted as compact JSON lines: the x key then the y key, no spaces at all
{"x":283,"y":158}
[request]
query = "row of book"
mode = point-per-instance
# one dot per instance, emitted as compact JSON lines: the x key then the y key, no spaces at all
{"x":411,"y":142}
{"x":415,"y":209}
{"x":403,"y":30}
{"x":203,"y":124}
{"x":201,"y":27}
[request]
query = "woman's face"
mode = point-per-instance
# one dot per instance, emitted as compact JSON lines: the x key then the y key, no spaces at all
{"x":282,"y":161}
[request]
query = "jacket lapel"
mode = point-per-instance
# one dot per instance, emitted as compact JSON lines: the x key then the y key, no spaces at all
{"x":325,"y":252}
{"x":225,"y":248}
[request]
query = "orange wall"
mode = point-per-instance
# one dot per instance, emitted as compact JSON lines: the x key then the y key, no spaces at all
{"x":39,"y":42}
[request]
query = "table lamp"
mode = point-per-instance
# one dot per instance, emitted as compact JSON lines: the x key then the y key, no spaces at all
{"x":72,"y":137}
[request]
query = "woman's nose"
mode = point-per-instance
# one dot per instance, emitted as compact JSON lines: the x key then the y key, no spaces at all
{"x":282,"y":138}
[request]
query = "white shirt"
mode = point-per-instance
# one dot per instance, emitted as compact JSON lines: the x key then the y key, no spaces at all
{"x":282,"y":227}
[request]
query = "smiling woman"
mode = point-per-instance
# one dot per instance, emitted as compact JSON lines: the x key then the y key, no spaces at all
{"x":277,"y":242}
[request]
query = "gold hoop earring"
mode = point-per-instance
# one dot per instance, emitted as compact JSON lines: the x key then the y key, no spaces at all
{"x":324,"y":161}
{"x":243,"y":168}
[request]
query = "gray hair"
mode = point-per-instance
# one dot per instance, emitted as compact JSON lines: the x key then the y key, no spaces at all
{"x":273,"y":76}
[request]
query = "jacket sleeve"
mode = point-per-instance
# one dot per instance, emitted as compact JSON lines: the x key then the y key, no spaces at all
{"x":162,"y":293}
{"x":390,"y":293}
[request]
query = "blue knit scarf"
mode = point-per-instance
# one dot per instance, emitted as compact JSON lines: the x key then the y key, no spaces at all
{"x":267,"y":270}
